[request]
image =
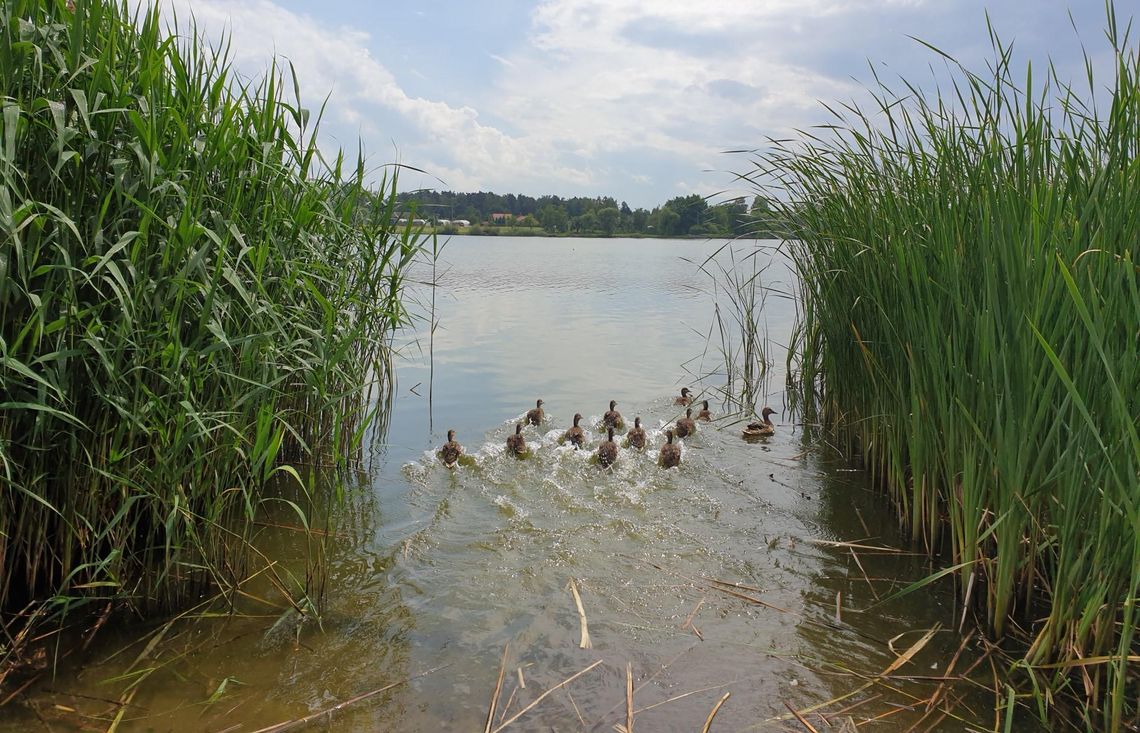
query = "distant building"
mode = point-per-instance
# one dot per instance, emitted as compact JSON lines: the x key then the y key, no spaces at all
{"x":500,"y":216}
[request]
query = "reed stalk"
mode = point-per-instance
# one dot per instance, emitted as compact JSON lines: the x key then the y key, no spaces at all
{"x":970,"y":269}
{"x":194,"y":304}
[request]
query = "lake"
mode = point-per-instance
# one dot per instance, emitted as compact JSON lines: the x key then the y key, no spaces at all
{"x":722,"y":575}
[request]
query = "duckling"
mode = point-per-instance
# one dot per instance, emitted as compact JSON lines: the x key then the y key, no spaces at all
{"x":534,"y":417}
{"x":607,"y":451}
{"x":761,"y":429}
{"x":613,"y":419}
{"x":670,"y":452}
{"x":575,"y":435}
{"x":705,"y":414}
{"x":636,"y":436}
{"x":450,"y":451}
{"x":684,"y":399}
{"x":516,"y":443}
{"x":685,"y":425}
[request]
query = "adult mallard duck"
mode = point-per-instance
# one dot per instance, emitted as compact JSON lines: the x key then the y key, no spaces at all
{"x":685,"y":425}
{"x":612,"y":418}
{"x":534,"y":416}
{"x":670,"y":452}
{"x":450,"y":451}
{"x":685,"y":397}
{"x":516,"y":443}
{"x":636,"y":436}
{"x":575,"y":435}
{"x":761,"y":429}
{"x":607,"y":451}
{"x":705,"y":414}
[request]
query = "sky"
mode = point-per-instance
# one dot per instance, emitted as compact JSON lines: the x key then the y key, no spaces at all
{"x":636,"y":99}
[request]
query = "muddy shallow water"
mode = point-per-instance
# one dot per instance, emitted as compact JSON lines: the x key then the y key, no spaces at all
{"x":718,"y":576}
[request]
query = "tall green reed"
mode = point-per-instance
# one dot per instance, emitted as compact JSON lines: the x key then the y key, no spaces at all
{"x":194,"y":303}
{"x":970,"y":272}
{"x":739,"y":294}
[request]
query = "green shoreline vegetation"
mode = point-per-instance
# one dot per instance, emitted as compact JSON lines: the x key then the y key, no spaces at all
{"x":970,"y":273}
{"x":681,"y":217}
{"x":195,"y":309}
{"x":195,"y":312}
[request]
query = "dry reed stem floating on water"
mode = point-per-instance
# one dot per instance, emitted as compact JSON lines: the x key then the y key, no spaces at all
{"x":289,"y":724}
{"x":541,"y":697}
{"x":576,"y":710}
{"x":755,"y":601}
{"x":693,"y":613}
{"x":652,"y":677}
{"x":584,"y":642}
{"x":848,"y":726}
{"x":949,"y":670}
{"x":858,"y":546}
{"x":915,"y":648}
{"x":698,"y":691}
{"x":869,"y":583}
{"x":629,"y":697}
{"x":713,"y":712}
{"x":802,"y":719}
{"x":498,"y":689}
{"x":507,"y":708}
{"x":689,"y":619}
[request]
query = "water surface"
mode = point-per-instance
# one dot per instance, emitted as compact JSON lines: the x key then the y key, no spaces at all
{"x":709,"y":578}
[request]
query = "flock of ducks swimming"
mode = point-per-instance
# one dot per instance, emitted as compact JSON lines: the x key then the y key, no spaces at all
{"x":668,"y":456}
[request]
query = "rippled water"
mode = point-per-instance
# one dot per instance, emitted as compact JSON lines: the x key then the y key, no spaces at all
{"x":708,"y":578}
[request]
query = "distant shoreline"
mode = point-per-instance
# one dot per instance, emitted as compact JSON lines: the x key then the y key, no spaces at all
{"x":509,"y":231}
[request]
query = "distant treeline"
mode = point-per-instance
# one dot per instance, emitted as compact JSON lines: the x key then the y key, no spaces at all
{"x":678,"y":217}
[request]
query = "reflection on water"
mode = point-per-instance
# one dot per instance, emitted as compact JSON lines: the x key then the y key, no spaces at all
{"x":707,"y":578}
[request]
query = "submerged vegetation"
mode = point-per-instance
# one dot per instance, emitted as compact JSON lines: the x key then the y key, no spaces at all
{"x":970,"y":265}
{"x":194,"y":304}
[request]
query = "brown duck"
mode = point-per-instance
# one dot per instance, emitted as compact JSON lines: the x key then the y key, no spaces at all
{"x":761,"y":429}
{"x":705,"y":414}
{"x":612,"y":418}
{"x":670,"y":452}
{"x":450,"y":451}
{"x":607,"y":451}
{"x":685,"y":397}
{"x":516,"y":443}
{"x":535,"y":415}
{"x":576,"y":434}
{"x":636,"y":436}
{"x":685,"y":425}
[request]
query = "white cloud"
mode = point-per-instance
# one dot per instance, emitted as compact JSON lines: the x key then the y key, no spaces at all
{"x":625,"y":97}
{"x":337,"y":60}
{"x":593,"y":78}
